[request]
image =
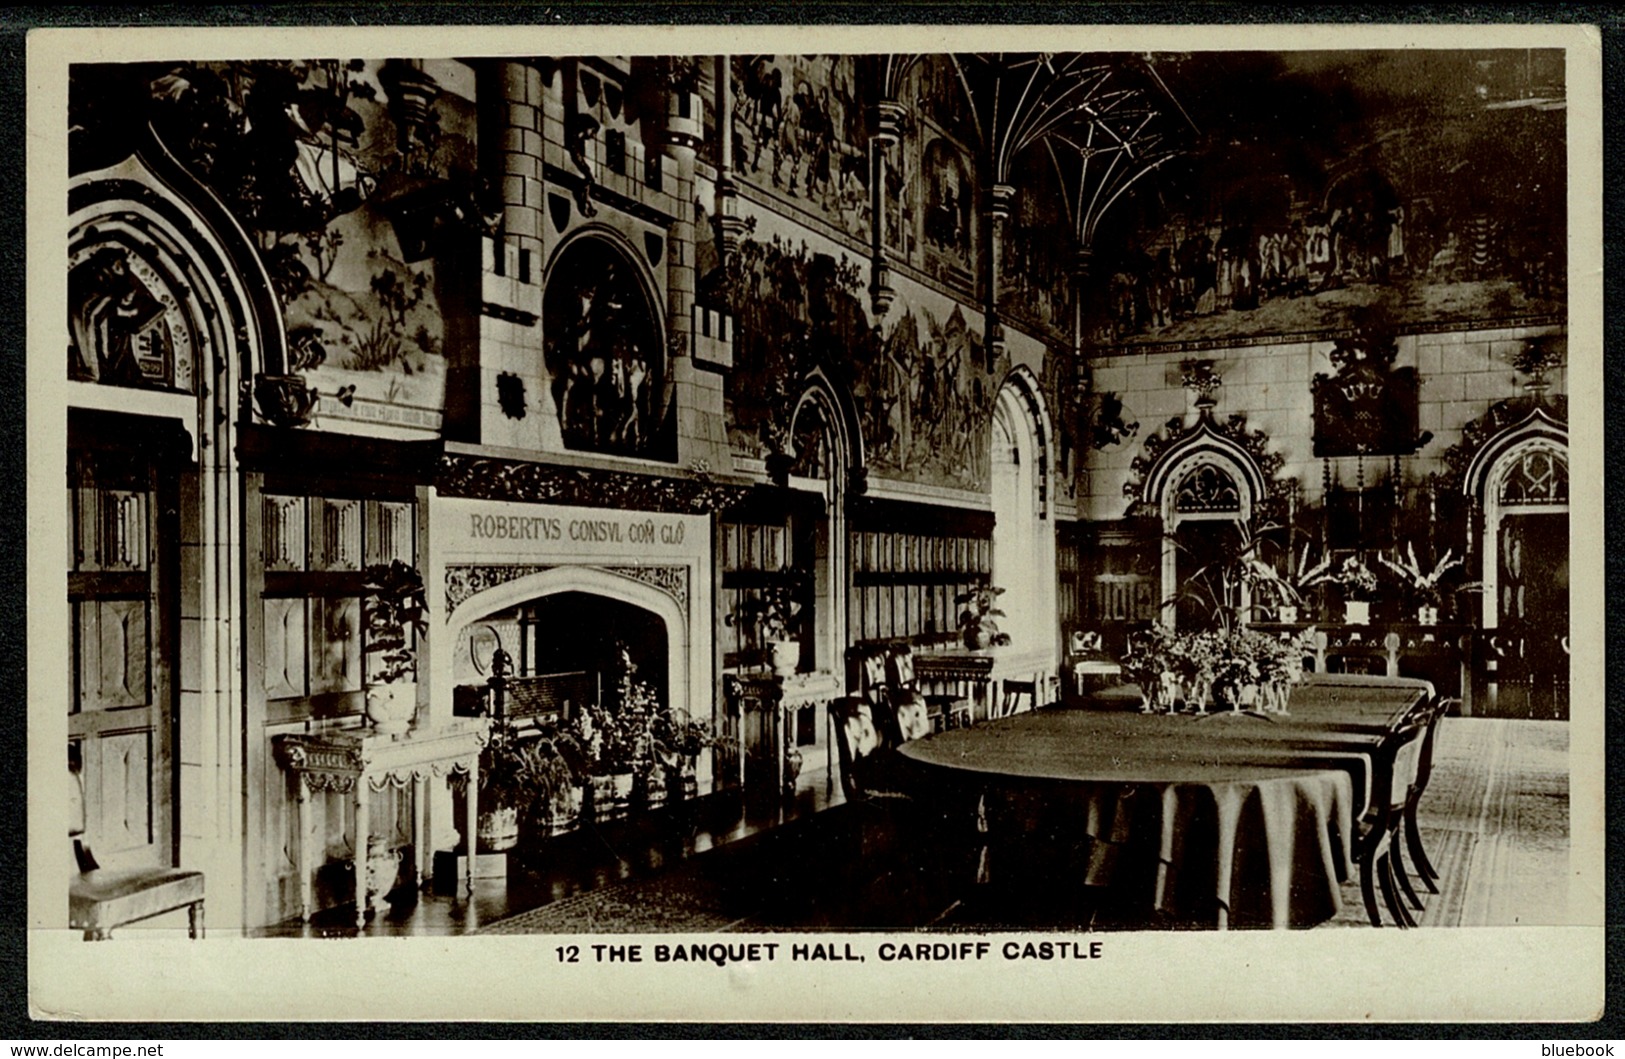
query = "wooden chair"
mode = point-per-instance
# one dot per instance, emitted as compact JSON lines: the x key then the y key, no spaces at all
{"x":1011,"y":693}
{"x":1424,"y":770}
{"x":941,"y":711}
{"x":1379,"y":847}
{"x":102,"y":899}
{"x":866,"y":744}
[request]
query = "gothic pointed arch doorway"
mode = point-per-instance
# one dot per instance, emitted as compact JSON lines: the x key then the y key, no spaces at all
{"x":1519,"y":482}
{"x":1023,"y":532}
{"x":1205,"y":486}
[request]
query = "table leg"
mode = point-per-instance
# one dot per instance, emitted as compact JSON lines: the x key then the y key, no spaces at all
{"x":778,"y":741}
{"x":420,"y":790}
{"x":471,"y":818}
{"x":306,"y":894}
{"x":359,"y":860}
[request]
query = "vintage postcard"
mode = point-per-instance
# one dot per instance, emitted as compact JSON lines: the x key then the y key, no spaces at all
{"x":734,"y":524}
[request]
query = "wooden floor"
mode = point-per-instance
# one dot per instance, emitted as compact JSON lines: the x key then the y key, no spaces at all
{"x":1495,"y":821}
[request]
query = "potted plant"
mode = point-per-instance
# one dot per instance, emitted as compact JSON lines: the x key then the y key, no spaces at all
{"x":679,"y":740}
{"x":617,"y":747}
{"x":1306,"y":577}
{"x":1359,"y":584}
{"x":525,"y":779}
{"x":978,"y":621}
{"x":1424,"y":588}
{"x":558,"y":771}
{"x":767,"y":620}
{"x":394,"y":618}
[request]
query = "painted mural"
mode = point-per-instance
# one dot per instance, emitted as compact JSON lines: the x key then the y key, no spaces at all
{"x":125,"y":326}
{"x":1429,"y":187}
{"x":923,"y":395}
{"x":799,"y":128}
{"x":347,"y":175}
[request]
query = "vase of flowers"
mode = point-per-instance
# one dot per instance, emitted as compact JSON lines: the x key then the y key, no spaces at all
{"x":1235,"y":669}
{"x":978,"y":621}
{"x":1149,"y":663}
{"x":679,"y":740}
{"x":611,"y":746}
{"x":1194,"y":657}
{"x":393,"y":610}
{"x":1358,"y":582}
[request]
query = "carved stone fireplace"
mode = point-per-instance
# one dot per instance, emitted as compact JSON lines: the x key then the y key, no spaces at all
{"x":561,"y":588}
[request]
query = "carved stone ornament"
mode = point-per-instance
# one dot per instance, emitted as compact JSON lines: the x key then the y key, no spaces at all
{"x":1175,"y":441}
{"x":1366,"y":407}
{"x":463,"y":582}
{"x":485,"y":478}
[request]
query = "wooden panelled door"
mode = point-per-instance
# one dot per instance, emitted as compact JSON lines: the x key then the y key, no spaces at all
{"x":121,"y":593}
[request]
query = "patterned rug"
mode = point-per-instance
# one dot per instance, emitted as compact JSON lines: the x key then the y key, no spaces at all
{"x":681,"y":899}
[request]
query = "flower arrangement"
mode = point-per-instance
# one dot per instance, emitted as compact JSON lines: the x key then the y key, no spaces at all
{"x":616,"y":740}
{"x":1235,"y":662}
{"x":1358,"y":581}
{"x":676,"y":735}
{"x":977,"y":622}
{"x":1170,"y":666}
{"x":1426,"y":587}
{"x":1149,"y":663}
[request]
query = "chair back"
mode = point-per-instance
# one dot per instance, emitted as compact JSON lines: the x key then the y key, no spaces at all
{"x":1397,"y":767}
{"x":76,"y":803}
{"x":872,"y":675}
{"x":900,"y":667}
{"x":1424,"y":764}
{"x":859,"y":736}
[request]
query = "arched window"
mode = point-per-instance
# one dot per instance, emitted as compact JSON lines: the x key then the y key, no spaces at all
{"x":1023,"y":536}
{"x":1536,"y":476}
{"x":1207,"y":489}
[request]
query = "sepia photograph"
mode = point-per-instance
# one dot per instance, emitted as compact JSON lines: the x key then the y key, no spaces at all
{"x":827,"y":515}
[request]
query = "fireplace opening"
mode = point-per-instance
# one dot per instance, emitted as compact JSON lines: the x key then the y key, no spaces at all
{"x":568,"y":651}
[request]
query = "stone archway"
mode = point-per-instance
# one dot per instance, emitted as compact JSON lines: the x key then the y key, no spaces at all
{"x":144,"y":231}
{"x":665,"y":598}
{"x":1203,"y":473}
{"x":1024,"y":562}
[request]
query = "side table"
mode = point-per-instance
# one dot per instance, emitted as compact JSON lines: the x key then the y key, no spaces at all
{"x":359,"y":761}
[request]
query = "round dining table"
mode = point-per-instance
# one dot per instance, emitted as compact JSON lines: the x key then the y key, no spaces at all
{"x":1217,"y":820}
